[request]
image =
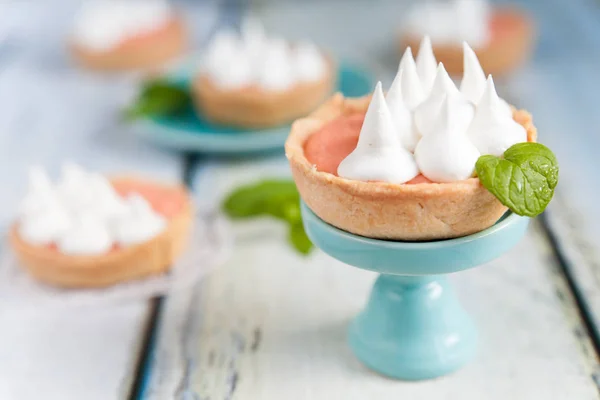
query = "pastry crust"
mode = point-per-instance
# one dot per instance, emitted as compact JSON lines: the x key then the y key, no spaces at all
{"x":145,"y":259}
{"x":255,"y":108}
{"x":145,"y":52}
{"x":415,"y":212}
{"x":500,"y":56}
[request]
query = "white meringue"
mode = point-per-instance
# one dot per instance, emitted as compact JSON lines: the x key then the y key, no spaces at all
{"x":472,"y":19}
{"x":401,"y":115}
{"x":412,"y":90}
{"x":107,"y":202}
{"x":44,"y":227}
{"x":88,"y":235}
{"x":104,"y":24}
{"x":451,"y":22}
{"x":72,"y":188}
{"x":253,"y":34}
{"x":80,"y":214}
{"x":473,"y":82}
{"x":253,"y":59}
{"x":140,"y":224}
{"x":309,"y":63}
{"x":254,"y":41}
{"x":227,"y":62}
{"x":236,"y":74}
{"x":492,"y":130}
{"x":40,"y":193}
{"x":442,"y":87}
{"x":446,"y":154}
{"x":276,"y":72}
{"x":406,"y":57}
{"x":224,"y":47}
{"x":426,"y":64}
{"x":379,"y":155}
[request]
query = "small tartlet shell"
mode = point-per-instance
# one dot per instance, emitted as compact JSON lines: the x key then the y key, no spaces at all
{"x":424,"y":211}
{"x":139,"y":261}
{"x":143,"y":53}
{"x":255,"y":108}
{"x":500,"y":56}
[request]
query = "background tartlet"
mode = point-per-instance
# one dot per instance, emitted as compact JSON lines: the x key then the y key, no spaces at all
{"x":255,"y":107}
{"x":123,"y":264}
{"x":506,"y":50}
{"x":146,"y":52}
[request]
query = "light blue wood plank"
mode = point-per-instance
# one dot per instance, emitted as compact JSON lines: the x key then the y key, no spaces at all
{"x":560,"y":87}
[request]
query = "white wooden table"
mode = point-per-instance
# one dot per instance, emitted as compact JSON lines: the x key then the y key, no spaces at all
{"x":52,"y":112}
{"x":270,"y":324}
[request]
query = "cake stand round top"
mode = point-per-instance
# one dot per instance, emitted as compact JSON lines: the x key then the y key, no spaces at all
{"x":415,"y":258}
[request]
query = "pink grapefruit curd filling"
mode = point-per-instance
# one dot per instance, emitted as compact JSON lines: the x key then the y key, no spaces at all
{"x":327,"y":147}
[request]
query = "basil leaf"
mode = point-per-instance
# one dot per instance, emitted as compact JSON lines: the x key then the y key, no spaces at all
{"x":299,"y":240}
{"x":159,"y":98}
{"x":523,"y":180}
{"x":275,"y":198}
{"x":267,"y":197}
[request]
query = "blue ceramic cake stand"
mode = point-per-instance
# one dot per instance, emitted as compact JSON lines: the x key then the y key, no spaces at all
{"x":413,"y":326}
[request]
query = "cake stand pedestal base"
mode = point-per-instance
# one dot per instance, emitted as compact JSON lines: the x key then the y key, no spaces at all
{"x":413,"y":328}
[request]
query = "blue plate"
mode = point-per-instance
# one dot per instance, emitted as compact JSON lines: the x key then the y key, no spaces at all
{"x":191,"y":132}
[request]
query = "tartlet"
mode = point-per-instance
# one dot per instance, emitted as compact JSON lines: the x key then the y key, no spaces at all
{"x":154,"y":256}
{"x":145,"y":51}
{"x":512,"y":39}
{"x":410,"y":212}
{"x":255,"y":107}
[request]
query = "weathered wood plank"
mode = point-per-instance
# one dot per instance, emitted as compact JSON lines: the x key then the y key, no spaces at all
{"x":559,"y":88}
{"x":270,"y":324}
{"x":51,"y":112}
{"x":73,"y":354}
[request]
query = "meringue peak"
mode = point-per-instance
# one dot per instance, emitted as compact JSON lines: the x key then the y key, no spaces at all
{"x":493,"y":130}
{"x":426,"y":64}
{"x":400,"y":112}
{"x":412,"y":90}
{"x":446,"y":118}
{"x":407,"y":57}
{"x":447,"y":154}
{"x":394,"y":94}
{"x":443,"y":84}
{"x":473,"y":82}
{"x":377,"y":130}
{"x":379,"y":155}
{"x":310,"y":65}
{"x":490,"y":102}
{"x":426,"y":113}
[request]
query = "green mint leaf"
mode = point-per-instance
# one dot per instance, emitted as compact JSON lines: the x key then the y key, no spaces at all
{"x":275,"y":198}
{"x":158,"y":98}
{"x":523,"y":180}
{"x":270,"y":197}
{"x":299,"y":240}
